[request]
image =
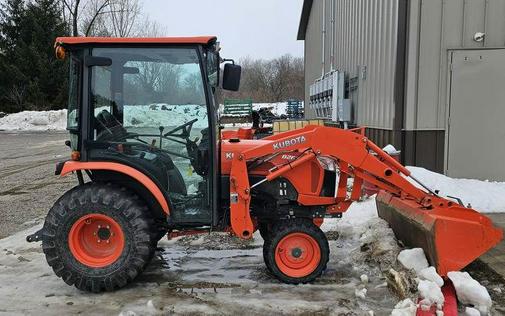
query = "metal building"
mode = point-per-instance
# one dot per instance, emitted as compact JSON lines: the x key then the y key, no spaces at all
{"x":425,"y":75}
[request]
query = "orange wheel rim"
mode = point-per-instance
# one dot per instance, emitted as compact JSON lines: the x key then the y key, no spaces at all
{"x":297,"y":255}
{"x":96,"y":240}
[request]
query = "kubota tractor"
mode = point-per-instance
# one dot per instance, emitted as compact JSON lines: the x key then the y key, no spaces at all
{"x":144,"y":129}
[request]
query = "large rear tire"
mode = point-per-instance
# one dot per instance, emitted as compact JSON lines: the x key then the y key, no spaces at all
{"x":97,"y":237}
{"x":297,"y":251}
{"x":264,"y":229}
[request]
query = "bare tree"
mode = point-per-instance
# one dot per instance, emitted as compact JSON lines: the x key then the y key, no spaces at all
{"x":95,"y":14}
{"x":72,"y":10}
{"x":274,"y":80}
{"x":124,"y":15}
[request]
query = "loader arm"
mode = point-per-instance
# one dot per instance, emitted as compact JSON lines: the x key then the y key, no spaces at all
{"x":359,"y":158}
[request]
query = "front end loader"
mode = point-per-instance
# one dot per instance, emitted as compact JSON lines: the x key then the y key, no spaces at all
{"x":150,"y":160}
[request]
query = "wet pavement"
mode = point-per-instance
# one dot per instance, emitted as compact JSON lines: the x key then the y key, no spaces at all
{"x":199,"y":275}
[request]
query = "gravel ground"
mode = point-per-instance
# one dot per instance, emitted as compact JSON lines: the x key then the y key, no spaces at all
{"x":28,"y":186}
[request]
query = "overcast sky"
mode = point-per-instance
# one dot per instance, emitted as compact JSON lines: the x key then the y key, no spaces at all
{"x":256,"y":28}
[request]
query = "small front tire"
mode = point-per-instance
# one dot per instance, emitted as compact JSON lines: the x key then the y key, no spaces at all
{"x":297,"y":251}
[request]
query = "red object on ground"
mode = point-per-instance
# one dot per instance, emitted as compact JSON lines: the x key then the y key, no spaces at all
{"x":450,"y":305}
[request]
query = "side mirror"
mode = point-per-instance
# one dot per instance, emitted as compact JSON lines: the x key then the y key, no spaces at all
{"x":91,"y":61}
{"x":231,"y":77}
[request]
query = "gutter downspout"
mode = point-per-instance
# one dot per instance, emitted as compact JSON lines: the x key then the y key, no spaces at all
{"x":332,"y":48}
{"x":323,"y":36}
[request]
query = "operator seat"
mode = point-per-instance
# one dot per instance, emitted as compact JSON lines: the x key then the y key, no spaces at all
{"x":108,"y":128}
{"x":158,"y":163}
{"x":200,"y":153}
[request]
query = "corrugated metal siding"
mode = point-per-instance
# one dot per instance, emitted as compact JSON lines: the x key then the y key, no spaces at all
{"x":370,"y":37}
{"x":438,"y":26}
{"x":312,"y":53}
{"x":365,"y":35}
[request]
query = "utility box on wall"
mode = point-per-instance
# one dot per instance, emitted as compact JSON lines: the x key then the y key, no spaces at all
{"x":397,"y":59}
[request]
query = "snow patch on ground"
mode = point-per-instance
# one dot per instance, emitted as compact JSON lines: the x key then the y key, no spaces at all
{"x":431,"y":295}
{"x":431,"y":274}
{"x":405,"y":308}
{"x":469,"y":291}
{"x":413,"y":259}
{"x":470,"y":311}
{"x":484,"y":196}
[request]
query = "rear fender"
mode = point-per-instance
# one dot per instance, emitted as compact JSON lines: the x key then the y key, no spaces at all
{"x":144,"y":180}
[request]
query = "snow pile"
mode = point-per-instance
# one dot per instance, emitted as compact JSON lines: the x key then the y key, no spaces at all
{"x":279,"y":108}
{"x":137,"y":116}
{"x":429,"y":282}
{"x":166,"y":115}
{"x":484,"y":196}
{"x":469,"y":291}
{"x":404,"y":308}
{"x":413,"y":259}
{"x":431,"y":294}
{"x":430,"y":274}
{"x":35,"y":121}
{"x":390,"y":149}
{"x":470,"y":311}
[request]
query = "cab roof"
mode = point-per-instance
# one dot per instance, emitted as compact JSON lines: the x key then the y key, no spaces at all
{"x":203,"y":40}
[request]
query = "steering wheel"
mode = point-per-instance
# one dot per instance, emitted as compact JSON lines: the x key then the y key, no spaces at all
{"x":186,"y":130}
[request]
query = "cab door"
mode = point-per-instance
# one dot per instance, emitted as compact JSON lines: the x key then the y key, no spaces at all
{"x":150,"y":111}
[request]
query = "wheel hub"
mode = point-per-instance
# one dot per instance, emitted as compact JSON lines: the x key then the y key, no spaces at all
{"x":96,"y":240}
{"x":296,"y":252}
{"x":297,"y":255}
{"x":104,"y":233}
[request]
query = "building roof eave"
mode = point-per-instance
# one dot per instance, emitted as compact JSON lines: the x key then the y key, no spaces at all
{"x":304,"y":19}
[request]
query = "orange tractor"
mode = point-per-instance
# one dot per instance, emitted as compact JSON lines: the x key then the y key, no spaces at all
{"x":150,"y":161}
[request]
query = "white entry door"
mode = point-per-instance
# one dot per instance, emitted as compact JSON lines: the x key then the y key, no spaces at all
{"x":476,"y":127}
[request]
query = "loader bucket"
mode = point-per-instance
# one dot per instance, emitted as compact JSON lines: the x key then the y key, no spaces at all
{"x":451,"y":237}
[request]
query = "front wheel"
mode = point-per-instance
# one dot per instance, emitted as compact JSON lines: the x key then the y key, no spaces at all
{"x":97,"y":237}
{"x":297,"y":251}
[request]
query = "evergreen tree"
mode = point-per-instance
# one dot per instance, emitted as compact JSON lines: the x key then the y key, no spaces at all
{"x":11,"y":21}
{"x":48,"y":74}
{"x":30,"y":75}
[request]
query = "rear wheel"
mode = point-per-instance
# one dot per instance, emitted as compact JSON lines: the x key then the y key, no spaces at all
{"x":297,"y":251}
{"x":97,"y":237}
